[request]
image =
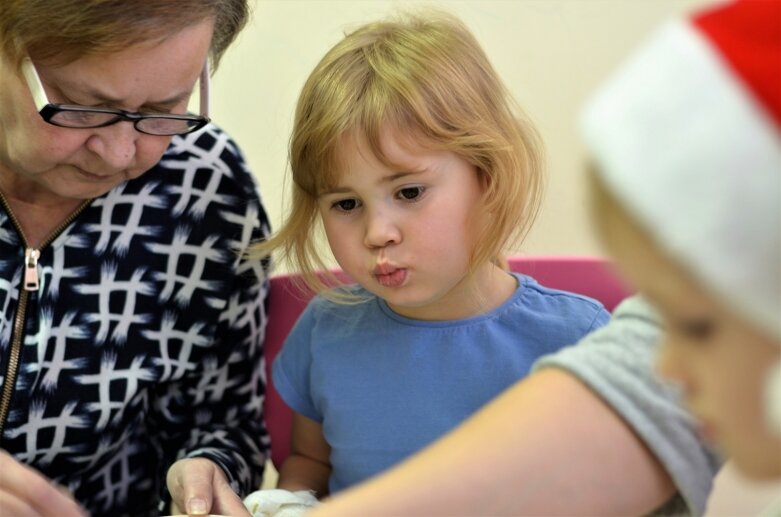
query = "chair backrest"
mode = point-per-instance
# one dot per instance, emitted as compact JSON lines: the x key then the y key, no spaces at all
{"x":589,"y":276}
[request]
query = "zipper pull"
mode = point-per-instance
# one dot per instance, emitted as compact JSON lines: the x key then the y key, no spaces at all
{"x":31,"y":256}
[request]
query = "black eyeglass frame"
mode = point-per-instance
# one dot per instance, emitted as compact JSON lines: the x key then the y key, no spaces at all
{"x":48,"y":110}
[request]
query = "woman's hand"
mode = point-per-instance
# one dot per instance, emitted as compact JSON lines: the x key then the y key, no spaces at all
{"x":25,"y":492}
{"x":198,"y":486}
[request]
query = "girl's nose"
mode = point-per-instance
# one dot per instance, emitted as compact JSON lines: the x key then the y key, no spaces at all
{"x":381,"y":231}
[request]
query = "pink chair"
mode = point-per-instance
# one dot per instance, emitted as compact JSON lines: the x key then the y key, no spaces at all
{"x":584,"y":275}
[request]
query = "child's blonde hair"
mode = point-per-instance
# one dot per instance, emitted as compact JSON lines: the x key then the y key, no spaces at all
{"x":426,"y":77}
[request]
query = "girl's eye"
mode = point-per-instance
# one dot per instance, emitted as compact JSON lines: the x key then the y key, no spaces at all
{"x":410,"y":193}
{"x":345,"y":205}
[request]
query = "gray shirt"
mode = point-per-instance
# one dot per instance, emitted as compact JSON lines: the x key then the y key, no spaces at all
{"x":616,"y":362}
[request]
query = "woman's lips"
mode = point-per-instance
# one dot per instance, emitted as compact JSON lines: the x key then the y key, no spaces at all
{"x":390,"y":276}
{"x":95,"y":177}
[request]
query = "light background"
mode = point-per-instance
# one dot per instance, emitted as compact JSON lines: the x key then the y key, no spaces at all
{"x":551,"y":53}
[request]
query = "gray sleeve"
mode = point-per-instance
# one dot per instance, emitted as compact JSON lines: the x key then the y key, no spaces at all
{"x":616,"y":362}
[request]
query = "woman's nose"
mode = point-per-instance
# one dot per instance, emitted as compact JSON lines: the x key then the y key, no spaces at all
{"x":381,"y":230}
{"x":115,"y":144}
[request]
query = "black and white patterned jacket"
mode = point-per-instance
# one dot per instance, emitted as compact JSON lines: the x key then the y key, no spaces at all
{"x":142,"y":341}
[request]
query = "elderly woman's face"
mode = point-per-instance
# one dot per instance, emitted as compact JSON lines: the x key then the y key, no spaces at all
{"x":42,"y":163}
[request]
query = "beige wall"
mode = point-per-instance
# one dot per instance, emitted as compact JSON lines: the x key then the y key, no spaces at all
{"x":551,"y":54}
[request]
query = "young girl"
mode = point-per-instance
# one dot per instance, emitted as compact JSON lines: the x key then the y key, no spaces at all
{"x":407,"y":150}
{"x":689,"y":202}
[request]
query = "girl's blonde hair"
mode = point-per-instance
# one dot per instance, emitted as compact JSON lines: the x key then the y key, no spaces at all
{"x":426,"y":77}
{"x":62,"y":31}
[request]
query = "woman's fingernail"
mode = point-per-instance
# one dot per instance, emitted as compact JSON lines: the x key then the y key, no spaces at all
{"x":196,"y":506}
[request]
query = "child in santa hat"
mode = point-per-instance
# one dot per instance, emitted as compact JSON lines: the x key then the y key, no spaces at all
{"x":685,"y":144}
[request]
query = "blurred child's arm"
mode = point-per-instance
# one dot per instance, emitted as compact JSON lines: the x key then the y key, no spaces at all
{"x":591,"y":432}
{"x":522,"y":455}
{"x":308,"y":467}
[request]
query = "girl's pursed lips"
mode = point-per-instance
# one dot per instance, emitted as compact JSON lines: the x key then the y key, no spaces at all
{"x":384,"y":269}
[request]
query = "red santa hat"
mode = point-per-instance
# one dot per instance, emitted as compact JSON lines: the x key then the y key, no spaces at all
{"x":686,"y":136}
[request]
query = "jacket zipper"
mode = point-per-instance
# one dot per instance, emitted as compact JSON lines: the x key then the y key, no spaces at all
{"x":30,"y":284}
{"x":31,"y":256}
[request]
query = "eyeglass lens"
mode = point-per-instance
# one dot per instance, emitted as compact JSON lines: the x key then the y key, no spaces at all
{"x":153,"y":125}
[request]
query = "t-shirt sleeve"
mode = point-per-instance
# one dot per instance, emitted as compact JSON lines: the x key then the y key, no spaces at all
{"x":601,"y":319}
{"x":292,"y":368}
{"x":616,"y":362}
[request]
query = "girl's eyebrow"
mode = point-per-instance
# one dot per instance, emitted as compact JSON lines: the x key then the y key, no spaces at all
{"x":390,"y":178}
{"x":335,"y":190}
{"x":398,"y":175}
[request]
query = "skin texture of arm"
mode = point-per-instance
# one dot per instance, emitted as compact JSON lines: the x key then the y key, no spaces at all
{"x":308,"y":466}
{"x":516,"y":457}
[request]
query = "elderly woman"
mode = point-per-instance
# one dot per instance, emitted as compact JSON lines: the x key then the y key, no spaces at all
{"x":130,"y":324}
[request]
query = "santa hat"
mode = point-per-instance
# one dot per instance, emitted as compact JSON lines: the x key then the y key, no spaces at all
{"x":687,"y":136}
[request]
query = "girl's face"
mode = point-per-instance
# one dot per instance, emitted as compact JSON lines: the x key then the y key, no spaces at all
{"x":720,"y":361}
{"x":406,"y":233}
{"x":42,"y":163}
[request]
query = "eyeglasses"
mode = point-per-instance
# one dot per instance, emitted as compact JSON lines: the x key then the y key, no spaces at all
{"x":84,"y":117}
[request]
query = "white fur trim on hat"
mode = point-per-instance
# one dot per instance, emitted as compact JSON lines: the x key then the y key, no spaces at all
{"x":692,"y":155}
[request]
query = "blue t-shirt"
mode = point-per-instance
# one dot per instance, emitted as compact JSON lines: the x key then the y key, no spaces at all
{"x":384,"y":386}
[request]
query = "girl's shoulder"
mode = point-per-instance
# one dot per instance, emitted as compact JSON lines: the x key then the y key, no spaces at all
{"x":535,"y":291}
{"x":556,"y":306}
{"x":329,"y":317}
